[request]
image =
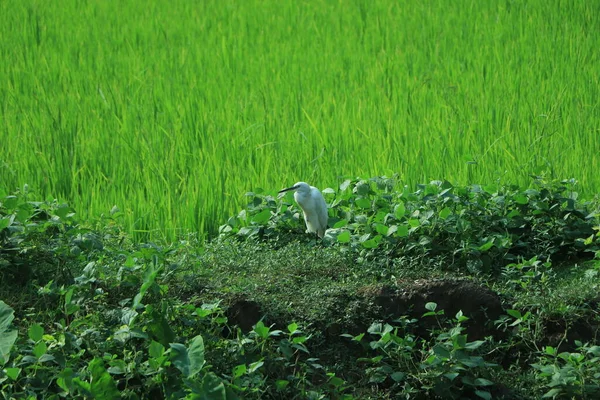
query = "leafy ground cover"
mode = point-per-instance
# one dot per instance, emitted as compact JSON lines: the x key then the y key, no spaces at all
{"x":389,"y":305}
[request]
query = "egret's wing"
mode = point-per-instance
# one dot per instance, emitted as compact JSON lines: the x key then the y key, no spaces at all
{"x":322,"y":214}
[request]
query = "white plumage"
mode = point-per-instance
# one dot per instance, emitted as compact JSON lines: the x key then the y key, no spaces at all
{"x":313,"y":205}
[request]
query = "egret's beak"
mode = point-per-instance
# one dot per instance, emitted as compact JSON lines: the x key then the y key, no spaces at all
{"x":288,"y":189}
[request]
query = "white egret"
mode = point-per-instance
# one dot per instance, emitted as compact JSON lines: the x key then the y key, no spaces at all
{"x":313,"y":205}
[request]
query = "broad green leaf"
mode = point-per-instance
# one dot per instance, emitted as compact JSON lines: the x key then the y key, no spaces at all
{"x":399,"y":210}
{"x":281,"y":384}
{"x":149,"y":277}
{"x":212,"y":389}
{"x":474,"y":345}
{"x":40,"y":349}
{"x":345,"y":185}
{"x":340,"y":224}
{"x":451,"y":375}
{"x":392,"y":229}
{"x":69,"y":295}
{"x":414,"y":223}
{"x":7,"y":337}
{"x":344,"y":237}
{"x":371,"y":243}
{"x":402,"y":231}
{"x":196,"y":355}
{"x":36,"y":332}
{"x":292,"y":328}
{"x":398,"y":376}
{"x":255,"y":365}
{"x":363,"y":202}
{"x":483,"y":394}
{"x":552,"y":393}
{"x":13,"y":373}
{"x":159,"y":327}
{"x":179,"y":358}
{"x":6,"y":316}
{"x":238,"y":371}
{"x":103,"y":385}
{"x":521,"y":199}
{"x":4,"y":223}
{"x":382,"y":229}
{"x":83,"y":386}
{"x":431,"y":306}
{"x":156,"y":349}
{"x":486,"y":246}
{"x":483,"y":382}
{"x":441,"y":351}
{"x":445,"y":212}
{"x":262,"y":217}
{"x":261,"y":330}
{"x":514,"y":313}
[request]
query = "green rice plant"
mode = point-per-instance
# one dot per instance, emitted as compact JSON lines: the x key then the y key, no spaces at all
{"x":171,"y":110}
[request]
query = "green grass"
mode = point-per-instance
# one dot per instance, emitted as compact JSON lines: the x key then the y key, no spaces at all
{"x":171,"y":110}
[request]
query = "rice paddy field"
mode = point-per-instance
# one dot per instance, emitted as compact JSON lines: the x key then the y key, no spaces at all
{"x":172,"y":110}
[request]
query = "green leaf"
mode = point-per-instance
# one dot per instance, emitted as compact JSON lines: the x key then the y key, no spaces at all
{"x":6,"y":316}
{"x":239,"y":370}
{"x":402,"y":231}
{"x":5,"y":223}
{"x":13,"y":373}
{"x":36,"y":332}
{"x":445,"y":212}
{"x":451,"y":375}
{"x":371,"y":243}
{"x":486,"y":246}
{"x":117,"y":367}
{"x":159,"y":327}
{"x":255,"y":365}
{"x":344,"y":237}
{"x":69,"y":295}
{"x":65,"y":380}
{"x":483,"y":382}
{"x":363,"y":202}
{"x":156,"y":349}
{"x":381,"y":229}
{"x":441,"y":351}
{"x":179,"y":358}
{"x":431,"y":306}
{"x":514,"y":313}
{"x":261,"y":330}
{"x":262,"y":217}
{"x":196,"y":355}
{"x":83,"y":386}
{"x":149,"y":278}
{"x":103,"y":385}
{"x":399,"y":210}
{"x":474,"y":345}
{"x":483,"y":394}
{"x":7,"y":337}
{"x":521,"y":199}
{"x":340,"y":224}
{"x":552,"y":393}
{"x":292,"y":328}
{"x":345,"y":185}
{"x":281,"y":384}
{"x":398,"y":376}
{"x":40,"y":349}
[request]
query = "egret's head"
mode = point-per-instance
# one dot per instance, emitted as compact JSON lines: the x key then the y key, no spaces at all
{"x":301,"y":187}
